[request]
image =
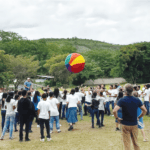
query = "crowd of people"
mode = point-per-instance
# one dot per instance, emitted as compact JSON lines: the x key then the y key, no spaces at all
{"x":21,"y":107}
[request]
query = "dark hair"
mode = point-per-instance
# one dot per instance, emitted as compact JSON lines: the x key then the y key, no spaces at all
{"x":9,"y":97}
{"x":16,"y":91}
{"x":56,"y":92}
{"x":120,"y":95}
{"x":72,"y":91}
{"x":16,"y":97}
{"x":51,"y":94}
{"x":94,"y":95}
{"x":44,"y":95}
{"x":29,"y":93}
{"x":76,"y":89}
{"x":37,"y":93}
{"x":65,"y":93}
{"x":24,"y":93}
{"x":139,"y":86}
{"x":101,"y":93}
{"x":4,"y":96}
{"x":20,"y":93}
{"x":111,"y":85}
{"x":116,"y":85}
{"x":21,"y":89}
{"x":135,"y":88}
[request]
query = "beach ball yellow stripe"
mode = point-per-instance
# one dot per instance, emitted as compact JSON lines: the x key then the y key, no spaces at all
{"x":78,"y":60}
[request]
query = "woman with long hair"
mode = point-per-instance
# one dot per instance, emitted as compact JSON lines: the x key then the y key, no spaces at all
{"x":10,"y":106}
{"x":36,"y":100}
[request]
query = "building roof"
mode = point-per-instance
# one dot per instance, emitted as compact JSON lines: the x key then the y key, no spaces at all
{"x":44,"y":76}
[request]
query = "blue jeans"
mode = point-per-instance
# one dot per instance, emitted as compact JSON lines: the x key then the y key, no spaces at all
{"x":147,"y":106}
{"x":3,"y":114}
{"x":101,"y":113}
{"x":64,"y":110}
{"x":16,"y":120}
{"x":9,"y":120}
{"x":107,"y":108}
{"x":80,"y":110}
{"x":112,"y":103}
{"x":95,"y":111}
{"x":88,"y":107}
{"x":52,"y":119}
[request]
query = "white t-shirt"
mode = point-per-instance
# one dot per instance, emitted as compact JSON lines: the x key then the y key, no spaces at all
{"x":139,"y":92}
{"x":115,"y":91}
{"x":64,"y":101}
{"x":143,"y":89}
{"x":101,"y":103}
{"x":53,"y":106}
{"x":16,"y":103}
{"x":9,"y":110}
{"x":44,"y":107}
{"x":88,"y":97}
{"x":105,"y":96}
{"x":112,"y":94}
{"x":1,"y":94}
{"x":80,"y":95}
{"x":3,"y":108}
{"x":73,"y":100}
{"x":147,"y":92}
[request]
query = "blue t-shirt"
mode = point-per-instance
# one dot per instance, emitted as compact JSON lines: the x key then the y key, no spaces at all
{"x":129,"y":105}
{"x":28,"y":84}
{"x":35,"y":104}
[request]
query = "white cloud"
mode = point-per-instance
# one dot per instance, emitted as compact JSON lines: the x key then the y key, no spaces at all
{"x":113,"y":21}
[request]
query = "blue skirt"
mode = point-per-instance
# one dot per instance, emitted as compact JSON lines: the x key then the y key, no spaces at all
{"x":139,"y":111}
{"x":72,"y":115}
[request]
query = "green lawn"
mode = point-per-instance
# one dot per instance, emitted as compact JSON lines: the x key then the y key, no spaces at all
{"x":83,"y":137}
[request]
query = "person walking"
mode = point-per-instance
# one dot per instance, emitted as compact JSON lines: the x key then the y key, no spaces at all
{"x":129,"y":105}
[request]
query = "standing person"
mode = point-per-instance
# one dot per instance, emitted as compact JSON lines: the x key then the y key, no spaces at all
{"x":58,"y":96}
{"x":16,"y":112}
{"x":139,"y":92}
{"x":24,"y":109}
{"x":36,"y":100}
{"x":119,"y":112}
{"x":72,"y":101}
{"x":140,"y":122}
{"x":129,"y":105}
{"x":3,"y":110}
{"x":54,"y":113}
{"x":80,"y":95}
{"x":94,"y":109}
{"x":28,"y":84}
{"x":101,"y":108}
{"x":88,"y":100}
{"x":64,"y":104}
{"x":10,"y":115}
{"x":44,"y":116}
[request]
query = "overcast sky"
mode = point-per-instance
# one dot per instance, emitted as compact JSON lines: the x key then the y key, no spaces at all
{"x":112,"y":21}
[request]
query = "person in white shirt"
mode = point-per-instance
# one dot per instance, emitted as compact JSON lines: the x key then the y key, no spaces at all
{"x":54,"y":113}
{"x":3,"y":110}
{"x":72,"y":101}
{"x":88,"y":101}
{"x":10,"y":106}
{"x":139,"y":92}
{"x":44,"y":116}
{"x":16,"y":112}
{"x":1,"y":94}
{"x":101,"y":108}
{"x":80,"y":95}
{"x":146,"y":98}
{"x":64,"y":104}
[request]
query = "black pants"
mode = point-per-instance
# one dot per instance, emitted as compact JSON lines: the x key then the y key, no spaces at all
{"x":36,"y":115}
{"x":85,"y":109}
{"x":101,"y":113}
{"x":60,"y":108}
{"x":46,"y":121}
{"x":24,"y":119}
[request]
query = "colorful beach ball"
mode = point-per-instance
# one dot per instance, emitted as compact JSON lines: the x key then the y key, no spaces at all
{"x":75,"y":62}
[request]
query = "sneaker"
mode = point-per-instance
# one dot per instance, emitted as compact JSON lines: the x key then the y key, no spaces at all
{"x":117,"y":129}
{"x":30,"y":131}
{"x":102,"y":125}
{"x":145,"y":140}
{"x":51,"y":131}
{"x":11,"y":138}
{"x":27,"y":140}
{"x":16,"y":130}
{"x":49,"y":139}
{"x":2,"y":138}
{"x":42,"y":140}
{"x":59,"y":131}
{"x":38,"y":126}
{"x":70,"y":128}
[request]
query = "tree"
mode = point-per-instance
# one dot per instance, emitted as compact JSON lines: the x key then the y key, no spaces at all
{"x":23,"y":67}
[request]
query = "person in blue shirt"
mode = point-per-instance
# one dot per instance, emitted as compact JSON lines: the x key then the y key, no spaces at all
{"x":28,"y":84}
{"x":36,"y":100}
{"x":129,"y":105}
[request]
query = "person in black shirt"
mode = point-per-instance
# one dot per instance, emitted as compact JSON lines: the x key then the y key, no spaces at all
{"x":24,"y":109}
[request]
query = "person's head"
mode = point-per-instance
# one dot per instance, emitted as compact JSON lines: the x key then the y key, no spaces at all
{"x":20,"y":93}
{"x":128,"y":89}
{"x":28,"y":79}
{"x":94,"y":95}
{"x":111,"y":86}
{"x":115,"y":86}
{"x":135,"y":93}
{"x":51,"y":94}
{"x":56,"y":92}
{"x":16,"y":97}
{"x":29,"y":94}
{"x":138,"y":87}
{"x":44,"y":96}
{"x":16,"y":92}
{"x":147,"y":86}
{"x":72,"y":91}
{"x":135,"y":88}
{"x":76,"y":89}
{"x":101,"y":93}
{"x":35,"y":99}
{"x":24,"y":93}
{"x":99,"y":86}
{"x":9,"y":97}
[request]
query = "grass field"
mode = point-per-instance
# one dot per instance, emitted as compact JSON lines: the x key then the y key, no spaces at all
{"x":83,"y":137}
